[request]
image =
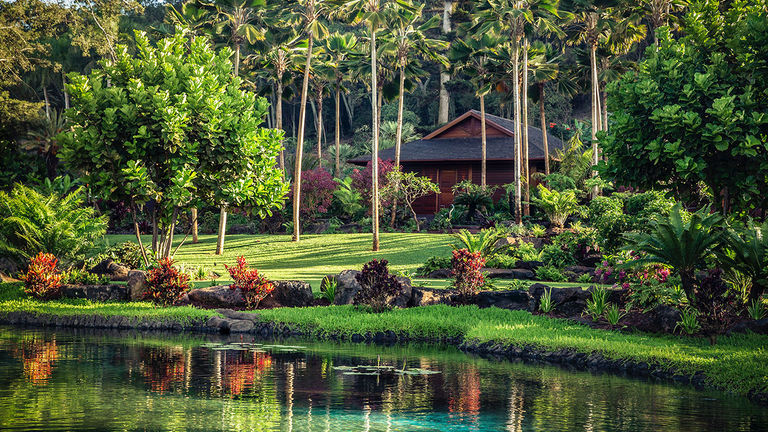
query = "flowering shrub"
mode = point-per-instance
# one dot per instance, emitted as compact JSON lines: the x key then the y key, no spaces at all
{"x":362,"y":180}
{"x":42,"y":279}
{"x":648,"y":286}
{"x":253,"y":285}
{"x":465,"y":268}
{"x":376,"y":284}
{"x":317,"y":188}
{"x":717,"y":304}
{"x":166,"y":284}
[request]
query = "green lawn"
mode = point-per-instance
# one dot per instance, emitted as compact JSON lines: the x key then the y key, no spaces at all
{"x":316,"y":255}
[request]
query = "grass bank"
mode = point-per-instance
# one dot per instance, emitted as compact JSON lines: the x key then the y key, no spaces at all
{"x":737,"y":363}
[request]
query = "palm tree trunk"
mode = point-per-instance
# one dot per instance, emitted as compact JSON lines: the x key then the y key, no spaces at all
{"x":483,"y":142}
{"x":543,"y":116}
{"x":64,"y":89}
{"x":375,"y":144}
{"x":604,"y":106}
{"x":320,"y":129}
{"x":398,"y":140}
{"x":47,"y":102}
{"x":194,"y":225}
{"x":337,"y":137}
{"x":516,"y":115}
{"x":300,"y":143}
{"x":595,"y":112}
{"x":524,"y":99}
{"x":445,"y":97}
{"x":279,"y":120}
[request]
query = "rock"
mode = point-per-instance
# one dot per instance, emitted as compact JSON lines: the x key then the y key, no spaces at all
{"x":220,"y":296}
{"x":347,"y":287}
{"x":219,"y":323}
{"x":8,"y":267}
{"x":755,"y":326}
{"x":509,"y":273}
{"x":431,"y":296}
{"x":529,"y":265}
{"x":110,"y":292}
{"x":240,"y":326}
{"x":511,"y":299}
{"x":440,"y":274}
{"x":567,"y":301}
{"x":111,"y":269}
{"x":239,"y":315}
{"x":291,"y":293}
{"x":580,"y":270}
{"x":665,"y":318}
{"x":137,"y":284}
{"x":318,"y":228}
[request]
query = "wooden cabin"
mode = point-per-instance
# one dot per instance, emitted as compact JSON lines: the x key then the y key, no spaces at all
{"x":452,"y":153}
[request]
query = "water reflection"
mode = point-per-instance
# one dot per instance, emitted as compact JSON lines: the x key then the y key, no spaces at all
{"x":70,"y":380}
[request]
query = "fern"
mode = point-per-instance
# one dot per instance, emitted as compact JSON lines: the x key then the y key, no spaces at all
{"x":31,"y":222}
{"x":486,"y":242}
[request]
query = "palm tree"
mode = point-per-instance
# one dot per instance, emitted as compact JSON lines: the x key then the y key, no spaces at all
{"x":372,"y":12}
{"x":660,"y":12}
{"x":339,"y":47}
{"x":308,"y":14}
{"x":44,"y":141}
{"x":545,"y":68}
{"x":277,"y":59}
{"x":404,"y":40}
{"x":473,"y":55}
{"x":320,"y":76}
{"x":510,"y":17}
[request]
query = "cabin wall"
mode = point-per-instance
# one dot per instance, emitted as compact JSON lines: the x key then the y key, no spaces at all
{"x":447,"y":174}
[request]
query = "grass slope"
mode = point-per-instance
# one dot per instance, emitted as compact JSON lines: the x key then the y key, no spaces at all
{"x":737,"y":363}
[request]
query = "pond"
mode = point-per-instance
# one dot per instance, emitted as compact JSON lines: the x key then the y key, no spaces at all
{"x":76,"y":380}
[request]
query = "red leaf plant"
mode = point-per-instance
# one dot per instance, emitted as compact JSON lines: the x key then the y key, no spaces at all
{"x":253,"y":285}
{"x":43,"y":279}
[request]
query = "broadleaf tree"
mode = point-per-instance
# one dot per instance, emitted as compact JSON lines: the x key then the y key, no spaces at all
{"x":170,"y":127}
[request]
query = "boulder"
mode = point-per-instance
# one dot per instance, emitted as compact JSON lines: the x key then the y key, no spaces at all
{"x":529,"y":265}
{"x":509,"y":273}
{"x":8,"y":267}
{"x":111,"y":292}
{"x":510,"y":299}
{"x":220,"y":296}
{"x":431,"y":296}
{"x":755,"y":326}
{"x":580,"y":270}
{"x":137,"y":284}
{"x":347,"y":287}
{"x":290,"y":293}
{"x":567,"y":301}
{"x":665,"y":319}
{"x":440,"y":274}
{"x":112,"y":270}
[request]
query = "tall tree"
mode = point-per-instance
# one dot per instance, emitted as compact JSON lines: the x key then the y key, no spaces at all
{"x":340,"y":47}
{"x":406,"y":40}
{"x":474,"y":56}
{"x":545,"y":68}
{"x":444,"y":103}
{"x":373,"y":13}
{"x":308,"y":14}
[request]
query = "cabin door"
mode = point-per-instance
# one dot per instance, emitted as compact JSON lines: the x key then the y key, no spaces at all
{"x":448,"y":179}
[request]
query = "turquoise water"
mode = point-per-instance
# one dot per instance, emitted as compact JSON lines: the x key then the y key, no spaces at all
{"x":71,"y":380}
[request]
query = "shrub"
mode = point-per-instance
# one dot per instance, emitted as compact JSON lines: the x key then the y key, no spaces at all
{"x":328,"y":288}
{"x":748,"y":255}
{"x":253,"y":285}
{"x":645,"y":207}
{"x":474,"y":197}
{"x":717,"y":304}
{"x":362,"y":180}
{"x":538,"y":230}
{"x":31,"y":222}
{"x":83,"y":277}
{"x":613,"y":315}
{"x":483,"y":242}
{"x":606,"y":215}
{"x":125,"y":253}
{"x":502,"y":261}
{"x":598,"y":304}
{"x":556,"y":205}
{"x":579,"y":243}
{"x":525,"y":251}
{"x":433,"y":263}
{"x":43,"y":280}
{"x":550,"y":273}
{"x":347,"y":201}
{"x":317,"y":187}
{"x":465,"y":268}
{"x":441,"y":221}
{"x":558,"y":256}
{"x":756,"y":310}
{"x":165,"y":283}
{"x":689,"y":321}
{"x":376,"y":284}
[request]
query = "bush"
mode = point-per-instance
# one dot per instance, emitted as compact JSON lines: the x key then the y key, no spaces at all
{"x":717,"y":304}
{"x":579,"y":243}
{"x":125,"y":253}
{"x":31,"y":222}
{"x":474,"y":197}
{"x":165,"y":283}
{"x":483,"y":242}
{"x":317,"y":187}
{"x":550,"y":273}
{"x":606,"y":215}
{"x":645,"y":207}
{"x":347,"y":201}
{"x":433,"y":263}
{"x":557,"y":255}
{"x":465,"y":268}
{"x":502,"y":262}
{"x":441,"y":221}
{"x":556,"y":205}
{"x":43,"y":280}
{"x":362,"y":180}
{"x":82,"y":277}
{"x":376,"y":284}
{"x":525,"y":251}
{"x":253,"y":285}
